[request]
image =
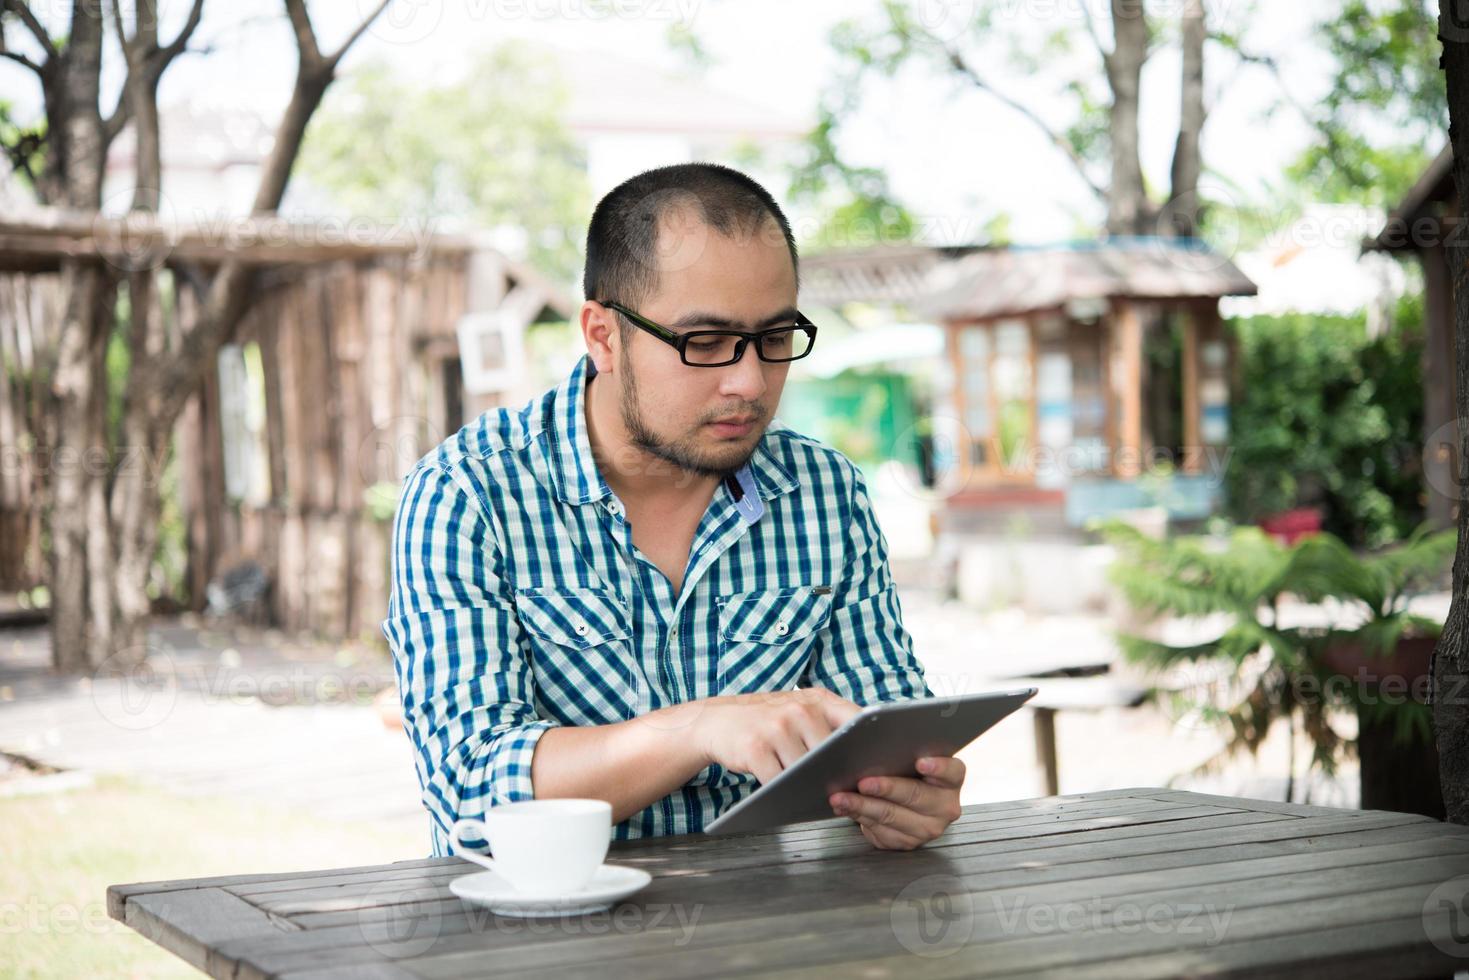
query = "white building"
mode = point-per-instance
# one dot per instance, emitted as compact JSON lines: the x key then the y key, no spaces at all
{"x":1316,"y":265}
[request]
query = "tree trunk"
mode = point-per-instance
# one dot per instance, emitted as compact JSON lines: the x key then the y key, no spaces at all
{"x":1128,"y":212}
{"x":136,"y":502}
{"x":74,"y":387}
{"x":74,"y":461}
{"x":1180,"y":215}
{"x":1451,"y":655}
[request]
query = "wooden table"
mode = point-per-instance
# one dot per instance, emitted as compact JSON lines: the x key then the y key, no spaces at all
{"x":1129,"y":883}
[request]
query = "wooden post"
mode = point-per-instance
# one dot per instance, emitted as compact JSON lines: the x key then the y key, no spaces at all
{"x":1045,"y":749}
{"x":1130,"y":340}
{"x":1032,"y":328}
{"x":965,"y":452}
{"x":1192,"y":443}
{"x":1438,"y":386}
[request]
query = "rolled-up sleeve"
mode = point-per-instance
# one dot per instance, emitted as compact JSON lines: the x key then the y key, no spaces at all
{"x":865,"y":654}
{"x":466,"y":687}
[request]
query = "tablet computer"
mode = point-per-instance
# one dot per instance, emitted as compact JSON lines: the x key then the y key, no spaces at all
{"x":883,"y":739}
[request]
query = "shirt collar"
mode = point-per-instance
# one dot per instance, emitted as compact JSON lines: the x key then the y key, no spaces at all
{"x":577,"y":479}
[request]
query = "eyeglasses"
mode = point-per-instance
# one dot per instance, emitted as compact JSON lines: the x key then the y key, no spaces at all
{"x":716,"y":348}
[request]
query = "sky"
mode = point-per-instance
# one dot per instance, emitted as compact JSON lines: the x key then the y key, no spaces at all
{"x":953,"y":155}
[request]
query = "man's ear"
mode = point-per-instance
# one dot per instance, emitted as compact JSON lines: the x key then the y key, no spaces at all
{"x":600,"y":331}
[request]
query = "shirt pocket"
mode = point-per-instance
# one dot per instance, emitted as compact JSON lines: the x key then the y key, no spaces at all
{"x":581,"y":654}
{"x":766,"y":636}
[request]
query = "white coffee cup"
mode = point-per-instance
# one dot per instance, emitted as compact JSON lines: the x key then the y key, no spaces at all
{"x":541,"y":847}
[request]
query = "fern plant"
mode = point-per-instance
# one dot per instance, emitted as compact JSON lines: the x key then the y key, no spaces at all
{"x":1275,"y":672}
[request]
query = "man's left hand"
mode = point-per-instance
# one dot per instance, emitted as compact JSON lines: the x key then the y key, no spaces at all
{"x":899,"y":813}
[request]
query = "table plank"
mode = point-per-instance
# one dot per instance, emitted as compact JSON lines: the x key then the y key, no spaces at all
{"x":189,"y":923}
{"x":118,"y":895}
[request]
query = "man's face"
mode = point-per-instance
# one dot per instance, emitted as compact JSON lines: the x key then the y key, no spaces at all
{"x":674,"y":411}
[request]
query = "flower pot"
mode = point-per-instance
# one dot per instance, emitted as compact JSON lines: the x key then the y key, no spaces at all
{"x":1394,"y":776}
{"x":1290,"y":526}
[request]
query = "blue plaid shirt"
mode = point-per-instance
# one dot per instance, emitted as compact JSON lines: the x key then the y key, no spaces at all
{"x":519,"y":603}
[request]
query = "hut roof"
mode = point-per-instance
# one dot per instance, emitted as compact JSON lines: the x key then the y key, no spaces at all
{"x":37,"y":239}
{"x":979,"y":282}
{"x":1435,"y":185}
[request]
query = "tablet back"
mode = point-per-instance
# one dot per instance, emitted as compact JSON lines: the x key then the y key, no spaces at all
{"x":883,"y":740}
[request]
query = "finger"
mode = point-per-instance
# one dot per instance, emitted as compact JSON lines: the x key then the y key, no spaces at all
{"x":888,"y":839}
{"x":766,"y":766}
{"x":914,"y":794}
{"x":838,"y":710}
{"x":812,"y":726}
{"x":885,"y":813}
{"x":943,"y":770}
{"x":789,"y":747}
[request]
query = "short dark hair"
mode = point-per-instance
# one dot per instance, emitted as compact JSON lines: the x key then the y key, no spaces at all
{"x":623,"y":233}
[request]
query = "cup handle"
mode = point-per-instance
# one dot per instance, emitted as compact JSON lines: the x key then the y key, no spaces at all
{"x":457,"y":846}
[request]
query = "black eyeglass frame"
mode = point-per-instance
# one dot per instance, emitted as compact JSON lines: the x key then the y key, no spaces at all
{"x":680,"y":341}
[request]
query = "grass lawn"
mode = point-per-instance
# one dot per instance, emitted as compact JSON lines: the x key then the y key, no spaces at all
{"x":62,"y":850}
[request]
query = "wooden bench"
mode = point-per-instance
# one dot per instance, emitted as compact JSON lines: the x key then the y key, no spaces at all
{"x":1071,"y":694}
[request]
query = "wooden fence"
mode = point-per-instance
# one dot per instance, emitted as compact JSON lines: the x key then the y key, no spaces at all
{"x":342,"y":374}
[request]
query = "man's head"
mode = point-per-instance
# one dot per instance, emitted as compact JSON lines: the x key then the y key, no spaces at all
{"x":692,"y":246}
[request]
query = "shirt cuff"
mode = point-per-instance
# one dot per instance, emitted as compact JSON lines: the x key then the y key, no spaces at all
{"x":510,"y":763}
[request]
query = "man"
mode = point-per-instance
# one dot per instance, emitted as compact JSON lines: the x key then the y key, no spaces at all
{"x":639,"y":588}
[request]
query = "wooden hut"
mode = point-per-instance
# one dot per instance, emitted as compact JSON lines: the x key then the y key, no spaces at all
{"x":1072,"y":371}
{"x":350,"y":364}
{"x":1420,"y":227}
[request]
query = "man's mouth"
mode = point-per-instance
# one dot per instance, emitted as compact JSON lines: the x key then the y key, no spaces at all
{"x":735,"y":425}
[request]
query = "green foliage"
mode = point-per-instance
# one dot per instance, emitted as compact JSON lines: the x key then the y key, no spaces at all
{"x":490,"y":149}
{"x":683,"y":40}
{"x":24,"y":145}
{"x":1386,"y":109}
{"x":1330,"y":419}
{"x":1256,"y":671}
{"x":860,"y":209}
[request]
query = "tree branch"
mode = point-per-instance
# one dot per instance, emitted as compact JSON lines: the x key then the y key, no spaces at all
{"x":361,"y":29}
{"x":959,"y":64}
{"x":305,"y":36}
{"x":21,"y":59}
{"x":228,"y":294}
{"x":1096,"y":36}
{"x":1270,"y":64}
{"x":114,"y":124}
{"x":114,"y":10}
{"x":176,"y":47}
{"x":28,"y":18}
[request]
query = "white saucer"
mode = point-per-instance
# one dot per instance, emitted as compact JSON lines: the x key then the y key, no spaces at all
{"x":611,"y":883}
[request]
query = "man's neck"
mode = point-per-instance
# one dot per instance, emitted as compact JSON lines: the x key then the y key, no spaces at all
{"x":634,"y":474}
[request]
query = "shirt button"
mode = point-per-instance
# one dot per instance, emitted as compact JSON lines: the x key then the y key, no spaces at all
{"x":782,"y":628}
{"x":615,"y":506}
{"x":582,"y":629}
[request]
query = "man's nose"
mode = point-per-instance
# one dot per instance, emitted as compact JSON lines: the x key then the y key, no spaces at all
{"x":745,"y":378}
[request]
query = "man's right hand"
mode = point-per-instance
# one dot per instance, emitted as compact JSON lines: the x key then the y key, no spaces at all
{"x":766,"y":732}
